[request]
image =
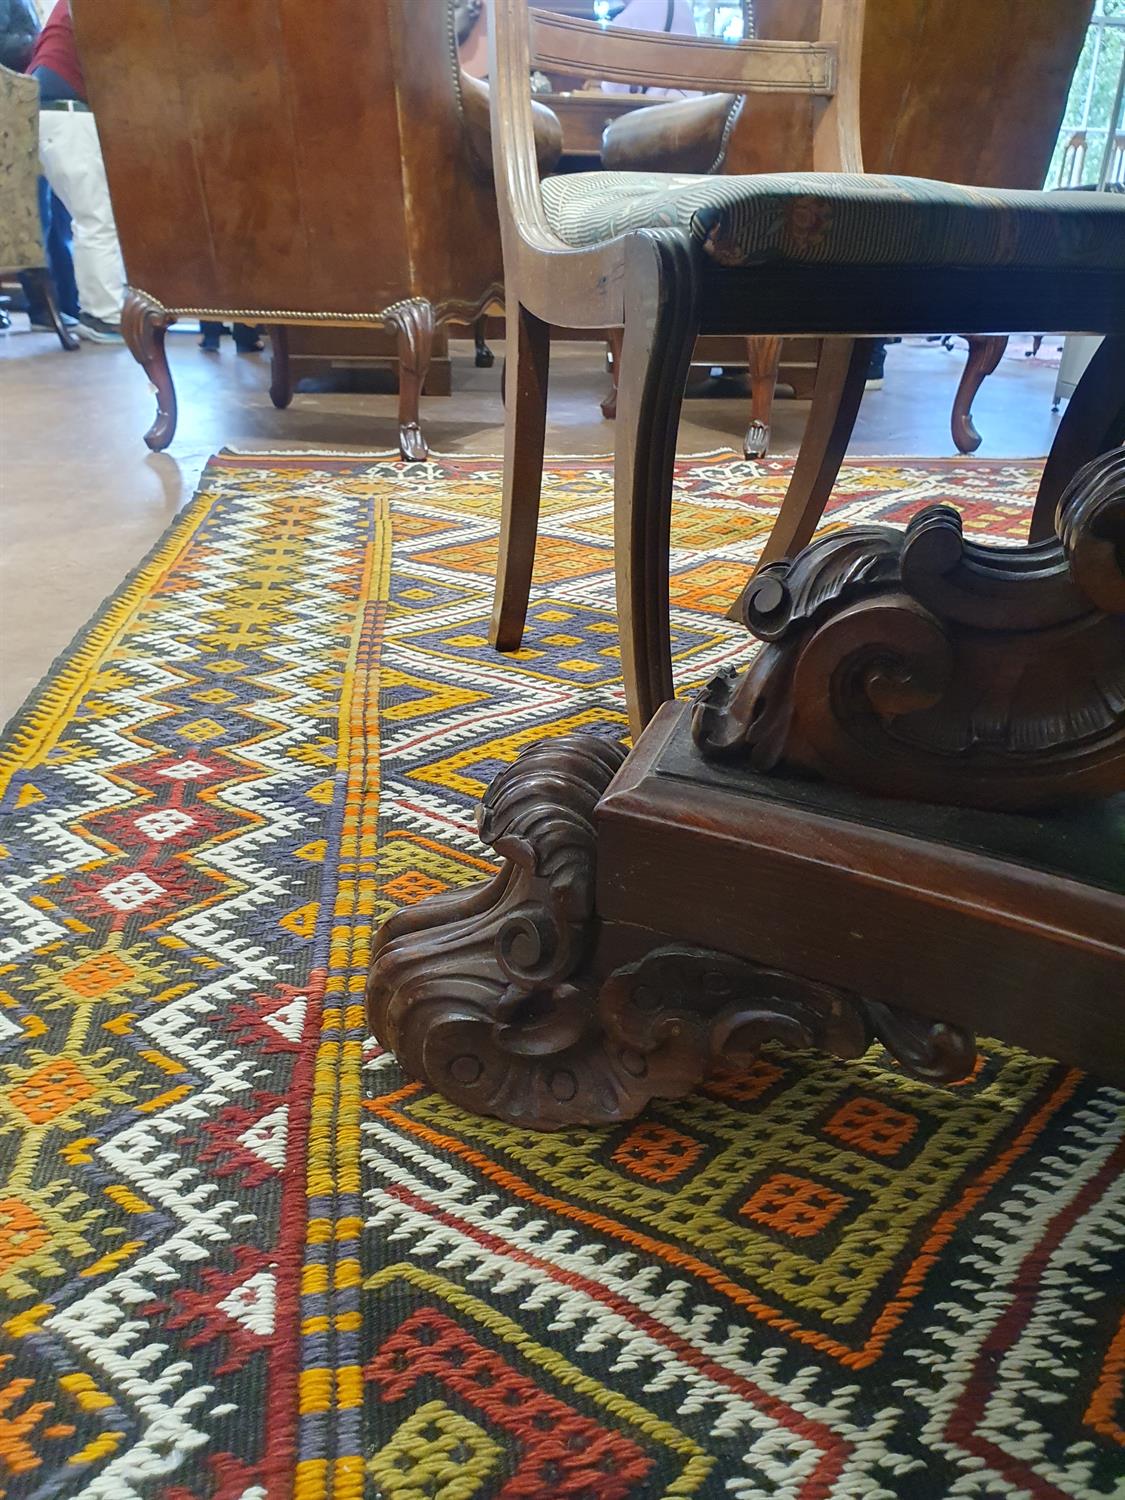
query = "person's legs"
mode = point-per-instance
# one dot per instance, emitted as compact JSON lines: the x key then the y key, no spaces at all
{"x":72,"y":161}
{"x":247,"y":338}
{"x":60,"y":255}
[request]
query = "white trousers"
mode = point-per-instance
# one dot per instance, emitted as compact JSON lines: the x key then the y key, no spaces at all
{"x":71,"y":158}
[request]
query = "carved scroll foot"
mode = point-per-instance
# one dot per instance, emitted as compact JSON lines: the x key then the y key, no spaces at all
{"x":985,"y":353}
{"x":485,"y":994}
{"x":492,"y":997}
{"x":485,"y":358}
{"x":144,"y":323}
{"x":413,"y":321}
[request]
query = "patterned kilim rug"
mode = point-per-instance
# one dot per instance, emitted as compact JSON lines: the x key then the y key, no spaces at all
{"x":242,"y":1257}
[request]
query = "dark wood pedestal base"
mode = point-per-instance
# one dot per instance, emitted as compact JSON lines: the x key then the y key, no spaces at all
{"x":658,"y":916}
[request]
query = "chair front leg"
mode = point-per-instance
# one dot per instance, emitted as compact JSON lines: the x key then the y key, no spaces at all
{"x":985,"y":353}
{"x":526,"y":371}
{"x":144,"y":323}
{"x":661,"y":327}
{"x":1093,"y":423}
{"x":840,"y":377}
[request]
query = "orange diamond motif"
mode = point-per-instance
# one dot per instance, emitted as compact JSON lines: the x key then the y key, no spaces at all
{"x":744,"y":1084}
{"x":657,"y":1152}
{"x":412,"y":886}
{"x":711,"y":586}
{"x":872,"y":1126}
{"x":97,"y":975}
{"x":22,"y":1233}
{"x":794,"y":1205}
{"x":50,"y":1091}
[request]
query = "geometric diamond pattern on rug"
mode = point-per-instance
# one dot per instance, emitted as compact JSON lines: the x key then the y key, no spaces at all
{"x":243,"y":1258}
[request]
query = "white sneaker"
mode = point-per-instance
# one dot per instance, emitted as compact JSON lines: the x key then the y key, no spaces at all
{"x":67,"y":322}
{"x":98,"y":332}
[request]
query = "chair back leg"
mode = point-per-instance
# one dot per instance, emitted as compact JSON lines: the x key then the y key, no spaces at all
{"x":144,"y":323}
{"x":661,"y":326}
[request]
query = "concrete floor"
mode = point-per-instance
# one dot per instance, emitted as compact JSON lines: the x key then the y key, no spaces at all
{"x":82,"y":500}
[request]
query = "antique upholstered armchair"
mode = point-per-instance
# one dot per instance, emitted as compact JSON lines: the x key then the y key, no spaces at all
{"x":288,"y":165}
{"x":832,"y":253}
{"x":21,"y":235}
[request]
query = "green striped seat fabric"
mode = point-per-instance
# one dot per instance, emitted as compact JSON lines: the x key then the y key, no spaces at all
{"x":821,"y":218}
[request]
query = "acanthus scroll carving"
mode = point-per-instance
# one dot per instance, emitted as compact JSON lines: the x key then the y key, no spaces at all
{"x":491,"y":995}
{"x":921,"y":664}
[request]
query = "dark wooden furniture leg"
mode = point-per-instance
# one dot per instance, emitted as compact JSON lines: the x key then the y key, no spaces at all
{"x":44,"y":287}
{"x":1094,"y":421}
{"x":659,"y":916}
{"x":838,"y":391}
{"x":591,"y":1021}
{"x":661,"y":327}
{"x":653,"y":924}
{"x":985,"y":353}
{"x":485,"y":358}
{"x":765,"y":361}
{"x":413,"y":321}
{"x":281,"y":376}
{"x":144,"y":323}
{"x":614,"y":337}
{"x":525,"y":424}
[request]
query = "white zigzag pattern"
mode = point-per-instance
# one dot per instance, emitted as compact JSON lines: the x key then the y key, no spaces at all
{"x":777,"y":1456}
{"x":988,"y":1275}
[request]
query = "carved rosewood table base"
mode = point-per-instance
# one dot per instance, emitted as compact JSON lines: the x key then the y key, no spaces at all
{"x":658,"y":915}
{"x":642,"y":933}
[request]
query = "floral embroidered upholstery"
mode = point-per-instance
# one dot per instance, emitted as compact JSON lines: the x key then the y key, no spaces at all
{"x":844,"y":219}
{"x":21,"y":238}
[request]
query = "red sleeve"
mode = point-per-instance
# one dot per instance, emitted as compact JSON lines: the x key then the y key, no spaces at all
{"x":55,"y":48}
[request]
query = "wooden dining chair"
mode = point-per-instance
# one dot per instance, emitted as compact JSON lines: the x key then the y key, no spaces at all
{"x":831,"y":253}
